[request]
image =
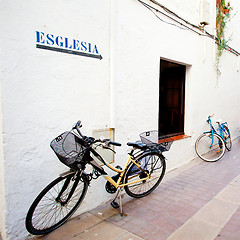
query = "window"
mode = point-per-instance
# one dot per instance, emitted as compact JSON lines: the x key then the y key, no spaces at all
{"x":171,"y":99}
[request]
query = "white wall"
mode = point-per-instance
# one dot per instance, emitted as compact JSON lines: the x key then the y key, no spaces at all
{"x":2,"y":177}
{"x":45,"y":92}
{"x":140,"y":43}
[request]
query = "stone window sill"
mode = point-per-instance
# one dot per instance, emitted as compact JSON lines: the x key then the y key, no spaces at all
{"x":175,"y":138}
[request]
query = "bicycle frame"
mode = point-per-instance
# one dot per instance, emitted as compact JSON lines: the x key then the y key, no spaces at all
{"x":117,"y":184}
{"x":212,"y":129}
{"x":219,"y":131}
{"x":121,"y":172}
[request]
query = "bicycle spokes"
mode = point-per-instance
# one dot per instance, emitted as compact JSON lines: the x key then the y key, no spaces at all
{"x":150,"y":177}
{"x":210,"y":147}
{"x":55,"y":204}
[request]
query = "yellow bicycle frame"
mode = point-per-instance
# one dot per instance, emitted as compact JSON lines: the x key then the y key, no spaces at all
{"x":122,"y":172}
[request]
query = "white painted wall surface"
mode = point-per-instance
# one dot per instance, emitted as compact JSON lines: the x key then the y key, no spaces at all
{"x":138,"y":71}
{"x":45,"y":92}
{"x":2,"y":175}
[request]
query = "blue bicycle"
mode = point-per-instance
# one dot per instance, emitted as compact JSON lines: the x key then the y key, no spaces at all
{"x":211,"y":145}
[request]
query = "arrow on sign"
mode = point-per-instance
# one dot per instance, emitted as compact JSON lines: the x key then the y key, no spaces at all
{"x":69,"y":51}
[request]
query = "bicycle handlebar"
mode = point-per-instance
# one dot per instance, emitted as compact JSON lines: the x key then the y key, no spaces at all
{"x":115,"y":144}
{"x":209,"y":118}
{"x":108,"y":142}
{"x":92,"y":140}
{"x":77,"y":126}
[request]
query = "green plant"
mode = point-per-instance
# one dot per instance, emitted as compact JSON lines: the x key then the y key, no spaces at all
{"x":223,"y":16}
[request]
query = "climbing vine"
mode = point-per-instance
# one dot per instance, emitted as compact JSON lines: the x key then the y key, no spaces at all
{"x":223,"y":16}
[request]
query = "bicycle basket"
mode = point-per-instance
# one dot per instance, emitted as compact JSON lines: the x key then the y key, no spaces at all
{"x":68,"y":149}
{"x":165,"y":144}
{"x":151,"y":138}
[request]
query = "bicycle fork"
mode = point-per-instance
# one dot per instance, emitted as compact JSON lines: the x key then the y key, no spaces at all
{"x":64,"y":187}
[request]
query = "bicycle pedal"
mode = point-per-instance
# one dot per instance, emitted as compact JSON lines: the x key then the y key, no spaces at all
{"x":114,"y":204}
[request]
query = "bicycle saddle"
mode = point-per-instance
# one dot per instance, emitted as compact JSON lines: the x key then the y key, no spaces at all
{"x":138,"y":145}
{"x":219,"y":121}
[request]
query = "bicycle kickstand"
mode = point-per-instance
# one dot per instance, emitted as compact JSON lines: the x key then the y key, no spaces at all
{"x":114,"y":204}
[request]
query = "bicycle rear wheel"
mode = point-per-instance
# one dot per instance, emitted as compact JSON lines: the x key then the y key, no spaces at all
{"x":210,"y":147}
{"x":55,"y":204}
{"x":227,"y":138}
{"x":151,"y":163}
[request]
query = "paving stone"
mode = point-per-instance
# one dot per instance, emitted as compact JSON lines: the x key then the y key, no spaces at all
{"x":230,"y":194}
{"x":158,"y":235}
{"x":231,"y":230}
{"x":73,"y":227}
{"x":197,"y":230}
{"x":216,"y":212}
{"x":104,"y":211}
{"x":130,"y":236}
{"x":236,"y":181}
{"x":102,"y":231}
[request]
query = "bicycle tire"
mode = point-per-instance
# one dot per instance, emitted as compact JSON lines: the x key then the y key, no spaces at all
{"x":227,"y":138}
{"x":155,"y":165}
{"x":207,"y":152}
{"x":47,"y":213}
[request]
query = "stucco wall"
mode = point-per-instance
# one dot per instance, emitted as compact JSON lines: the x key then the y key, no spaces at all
{"x":138,"y":71}
{"x":45,"y":92}
{"x":2,"y":177}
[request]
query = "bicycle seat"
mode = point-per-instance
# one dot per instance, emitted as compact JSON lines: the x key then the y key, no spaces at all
{"x":219,"y":121}
{"x":138,"y":145}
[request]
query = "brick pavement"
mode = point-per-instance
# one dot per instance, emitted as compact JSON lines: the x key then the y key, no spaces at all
{"x":231,"y":231}
{"x":197,"y":201}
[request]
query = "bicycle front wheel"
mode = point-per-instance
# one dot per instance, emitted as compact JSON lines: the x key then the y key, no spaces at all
{"x":55,"y":204}
{"x":152,"y":164}
{"x":210,"y":147}
{"x":227,"y":138}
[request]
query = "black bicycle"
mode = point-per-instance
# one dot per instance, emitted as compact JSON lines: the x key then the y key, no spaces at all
{"x":141,"y":174}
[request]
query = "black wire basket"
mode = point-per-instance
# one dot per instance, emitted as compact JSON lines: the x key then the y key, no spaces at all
{"x":151,"y":138}
{"x":69,"y":149}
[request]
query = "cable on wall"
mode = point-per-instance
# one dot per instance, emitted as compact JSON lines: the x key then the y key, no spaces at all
{"x":183,"y":26}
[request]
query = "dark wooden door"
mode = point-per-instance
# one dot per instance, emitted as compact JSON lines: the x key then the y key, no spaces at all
{"x":171,"y":99}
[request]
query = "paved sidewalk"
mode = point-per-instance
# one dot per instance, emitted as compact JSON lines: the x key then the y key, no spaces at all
{"x":199,"y":201}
